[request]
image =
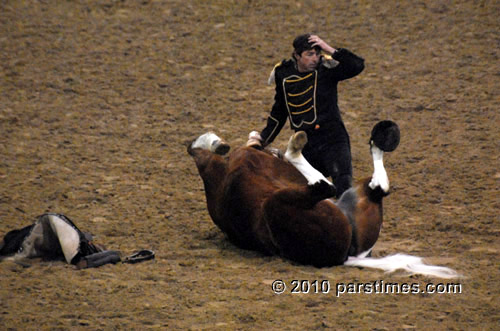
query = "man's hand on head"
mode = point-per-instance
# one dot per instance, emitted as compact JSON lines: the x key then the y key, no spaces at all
{"x":317,"y":41}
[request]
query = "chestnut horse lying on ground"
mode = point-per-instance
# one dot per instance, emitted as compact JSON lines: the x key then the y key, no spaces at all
{"x":284,"y":207}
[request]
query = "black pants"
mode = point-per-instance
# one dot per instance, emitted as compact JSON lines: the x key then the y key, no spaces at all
{"x":329,"y":151}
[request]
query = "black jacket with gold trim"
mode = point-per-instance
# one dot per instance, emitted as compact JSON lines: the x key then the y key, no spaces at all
{"x":309,"y":99}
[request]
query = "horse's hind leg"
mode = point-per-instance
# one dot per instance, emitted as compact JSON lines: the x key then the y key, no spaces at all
{"x":379,"y":177}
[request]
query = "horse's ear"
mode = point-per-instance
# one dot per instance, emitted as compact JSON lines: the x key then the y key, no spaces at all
{"x":385,"y":135}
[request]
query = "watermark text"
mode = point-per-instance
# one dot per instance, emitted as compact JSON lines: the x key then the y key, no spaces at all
{"x":304,"y":286}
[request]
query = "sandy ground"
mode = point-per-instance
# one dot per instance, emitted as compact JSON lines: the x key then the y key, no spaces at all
{"x":99,"y":99}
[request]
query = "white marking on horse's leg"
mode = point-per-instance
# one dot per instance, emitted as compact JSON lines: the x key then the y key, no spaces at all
{"x":294,"y":155}
{"x":379,"y":177}
{"x":211,"y":142}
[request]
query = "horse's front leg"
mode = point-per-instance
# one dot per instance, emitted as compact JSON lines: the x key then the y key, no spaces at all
{"x":294,"y":155}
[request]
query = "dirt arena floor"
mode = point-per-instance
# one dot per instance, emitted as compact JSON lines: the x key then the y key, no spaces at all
{"x":99,"y":99}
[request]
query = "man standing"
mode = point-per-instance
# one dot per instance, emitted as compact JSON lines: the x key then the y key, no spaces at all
{"x":306,"y":94}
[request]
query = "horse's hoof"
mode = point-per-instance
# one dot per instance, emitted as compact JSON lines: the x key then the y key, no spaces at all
{"x":298,"y":141}
{"x":385,"y":135}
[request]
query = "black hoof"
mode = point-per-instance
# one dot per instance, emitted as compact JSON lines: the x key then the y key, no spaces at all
{"x":385,"y":135}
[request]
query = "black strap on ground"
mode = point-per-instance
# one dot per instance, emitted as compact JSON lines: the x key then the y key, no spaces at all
{"x":140,"y":256}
